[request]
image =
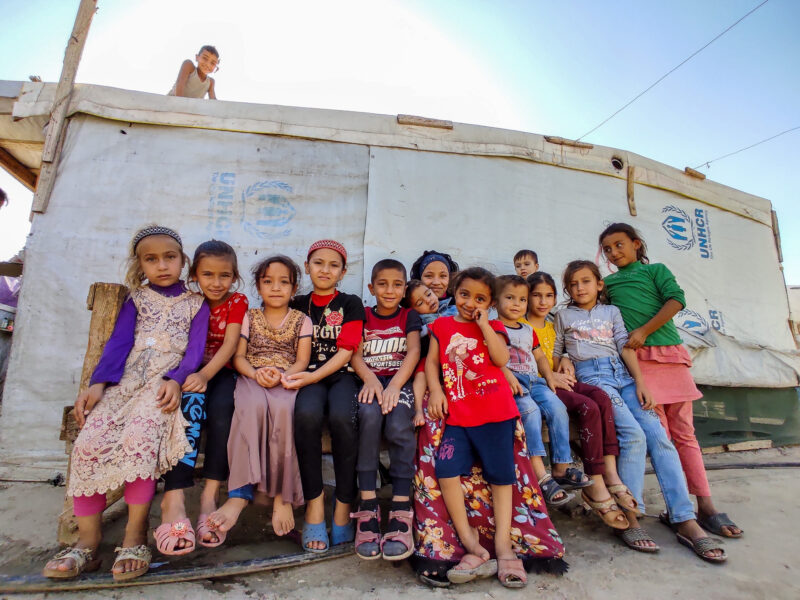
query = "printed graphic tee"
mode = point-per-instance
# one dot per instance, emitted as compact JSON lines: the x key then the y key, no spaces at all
{"x":522,"y":341}
{"x":232,"y":310}
{"x":337,"y":322}
{"x":385,"y":339}
{"x":477,"y":391}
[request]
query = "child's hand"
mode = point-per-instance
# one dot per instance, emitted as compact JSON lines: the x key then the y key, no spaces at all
{"x":437,"y":404}
{"x":391,"y":396}
{"x":371,"y":390}
{"x":295,"y":381}
{"x":419,"y":418}
{"x":168,"y":397}
{"x":87,"y":400}
{"x":646,"y":399}
{"x":481,"y":318}
{"x":566,"y":367}
{"x":636,"y":339}
{"x":196,"y":383}
{"x":561,"y":381}
{"x":516,"y":386}
{"x":268,"y":377}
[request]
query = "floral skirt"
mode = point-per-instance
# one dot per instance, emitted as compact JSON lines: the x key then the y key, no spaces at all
{"x":533,"y":536}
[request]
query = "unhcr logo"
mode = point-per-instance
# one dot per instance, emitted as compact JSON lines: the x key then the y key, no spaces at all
{"x":685,"y":232}
{"x":266,"y":210}
{"x":691,"y":322}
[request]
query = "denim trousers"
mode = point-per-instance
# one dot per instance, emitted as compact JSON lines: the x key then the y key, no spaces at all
{"x":531,"y":419}
{"x":555,"y":414}
{"x":639,"y":431}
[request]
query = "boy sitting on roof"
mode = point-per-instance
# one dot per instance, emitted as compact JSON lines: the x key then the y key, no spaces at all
{"x":194,"y":82}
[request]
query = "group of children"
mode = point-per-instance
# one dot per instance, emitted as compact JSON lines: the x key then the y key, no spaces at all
{"x":262,"y":382}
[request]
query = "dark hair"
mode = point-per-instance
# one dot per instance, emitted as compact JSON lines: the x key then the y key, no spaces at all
{"x":525,"y":252}
{"x":387,"y":263}
{"x":261,"y":268}
{"x":416,"y":271}
{"x":641,"y":253}
{"x":535,"y":279}
{"x":574,"y":267}
{"x":218,"y":249}
{"x":410,"y":287}
{"x":505,"y":280}
{"x":476,"y":274}
{"x":3,"y":198}
{"x":210,"y":49}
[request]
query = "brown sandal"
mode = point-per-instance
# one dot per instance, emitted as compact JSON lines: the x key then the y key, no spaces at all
{"x":625,"y":499}
{"x":608,"y":511}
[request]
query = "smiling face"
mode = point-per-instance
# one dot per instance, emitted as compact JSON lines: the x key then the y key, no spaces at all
{"x":526,"y":265}
{"x":620,"y":249}
{"x":275,"y":286}
{"x":206,"y":62}
{"x":470,"y":296}
{"x":214,"y":275}
{"x":512,"y":304}
{"x":161,"y":259}
{"x":326,"y":269}
{"x":437,"y":277}
{"x":424,"y":301}
{"x":541,"y":300}
{"x":584,"y":288}
{"x":388,"y":287}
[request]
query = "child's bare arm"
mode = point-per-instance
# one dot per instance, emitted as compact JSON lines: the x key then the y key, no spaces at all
{"x":183,"y":76}
{"x":437,"y":401}
{"x":419,"y":386}
{"x":406,"y":370}
{"x":645,"y":397}
{"x":554,"y":380}
{"x":303,"y":356}
{"x":372,"y":388}
{"x":295,"y":381}
{"x":212,"y":94}
{"x":240,"y":362}
{"x":197,"y":382}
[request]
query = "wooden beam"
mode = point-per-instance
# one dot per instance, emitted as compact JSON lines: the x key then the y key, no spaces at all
{"x":17,"y":170}
{"x":554,"y":139}
{"x":631,"y":181}
{"x":58,"y":116}
{"x":424,"y":121}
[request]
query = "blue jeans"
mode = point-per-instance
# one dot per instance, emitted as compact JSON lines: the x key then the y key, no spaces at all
{"x":531,"y":422}
{"x":555,"y":413}
{"x":639,"y":431}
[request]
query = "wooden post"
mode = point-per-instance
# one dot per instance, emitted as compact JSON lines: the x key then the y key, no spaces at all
{"x":58,"y":116}
{"x":631,"y":201}
{"x":105,"y":301}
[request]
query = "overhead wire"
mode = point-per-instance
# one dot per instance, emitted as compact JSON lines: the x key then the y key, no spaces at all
{"x":668,"y":73}
{"x":772,"y":137}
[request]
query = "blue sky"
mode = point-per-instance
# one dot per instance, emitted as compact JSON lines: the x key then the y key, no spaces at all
{"x":547,"y":67}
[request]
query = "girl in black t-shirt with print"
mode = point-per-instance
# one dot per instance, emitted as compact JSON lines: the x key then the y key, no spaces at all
{"x":328,"y":387}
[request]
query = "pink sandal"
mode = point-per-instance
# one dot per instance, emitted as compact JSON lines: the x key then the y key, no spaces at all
{"x":203,"y":528}
{"x":393,"y":539}
{"x":511,"y":573}
{"x":367,"y":541}
{"x":169,"y":534}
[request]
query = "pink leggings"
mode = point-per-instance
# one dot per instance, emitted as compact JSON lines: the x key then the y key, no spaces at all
{"x":678,"y":420}
{"x":140,"y":491}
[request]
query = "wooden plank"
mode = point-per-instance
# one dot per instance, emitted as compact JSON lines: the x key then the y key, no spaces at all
{"x":58,"y":117}
{"x":749,"y":445}
{"x":714,"y":450}
{"x":424,"y":121}
{"x":694,"y":173}
{"x":631,"y":200}
{"x":17,"y":170}
{"x":554,"y":139}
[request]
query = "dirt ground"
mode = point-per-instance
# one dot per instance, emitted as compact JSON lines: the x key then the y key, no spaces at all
{"x":765,"y":563}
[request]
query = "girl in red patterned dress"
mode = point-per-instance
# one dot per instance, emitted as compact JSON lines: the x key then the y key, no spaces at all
{"x":207,"y":403}
{"x":468,"y":351}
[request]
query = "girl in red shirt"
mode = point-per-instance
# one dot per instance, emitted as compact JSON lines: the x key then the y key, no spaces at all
{"x":468,"y":351}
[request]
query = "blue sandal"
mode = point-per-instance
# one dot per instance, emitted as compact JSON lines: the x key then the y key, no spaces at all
{"x":341,"y":534}
{"x":315,"y":532}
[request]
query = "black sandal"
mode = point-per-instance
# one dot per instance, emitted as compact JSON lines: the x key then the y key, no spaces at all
{"x":573,"y":479}
{"x":551,"y":489}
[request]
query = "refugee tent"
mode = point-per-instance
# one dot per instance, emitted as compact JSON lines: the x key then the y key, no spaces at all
{"x":274,"y":179}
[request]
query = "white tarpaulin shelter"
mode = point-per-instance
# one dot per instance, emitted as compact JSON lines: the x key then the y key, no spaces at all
{"x":273,"y":179}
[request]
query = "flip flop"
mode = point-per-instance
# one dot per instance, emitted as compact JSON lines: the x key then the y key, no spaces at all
{"x":203,"y":528}
{"x":315,"y":532}
{"x":169,"y":534}
{"x":572,"y":479}
{"x":511,"y":573}
{"x":636,"y":534}
{"x":477,"y":568}
{"x":702,"y":545}
{"x":715,"y":523}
